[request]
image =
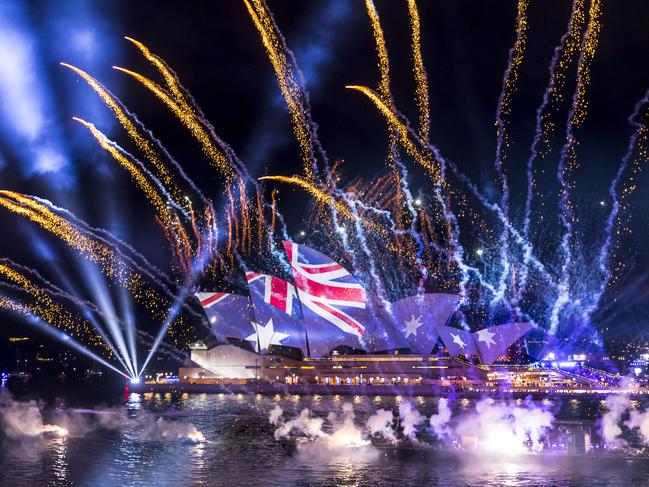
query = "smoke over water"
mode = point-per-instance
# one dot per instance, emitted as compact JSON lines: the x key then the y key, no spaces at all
{"x":513,"y":428}
{"x":505,"y":427}
{"x":621,"y":419}
{"x":24,"y":420}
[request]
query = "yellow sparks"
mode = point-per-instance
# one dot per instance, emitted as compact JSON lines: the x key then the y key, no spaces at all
{"x":589,"y":49}
{"x":314,"y":191}
{"x":386,"y":95}
{"x":511,"y":80}
{"x":141,"y":180}
{"x":580,"y":101}
{"x":141,"y":141}
{"x":421,"y":79}
{"x":189,"y":120}
{"x":49,"y":310}
{"x":289,"y":87}
{"x":422,"y":156}
{"x":381,"y":51}
{"x":170,"y":79}
{"x":95,"y":251}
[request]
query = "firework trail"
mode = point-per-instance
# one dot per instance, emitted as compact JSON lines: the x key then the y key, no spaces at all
{"x":421,"y":78}
{"x":393,"y":154}
{"x":137,"y":171}
{"x":561,"y":60}
{"x":96,"y":251}
{"x":126,"y":121}
{"x":503,"y":112}
{"x":188,"y":119}
{"x":171,"y":80}
{"x":314,"y":191}
{"x":384,"y":71}
{"x":639,"y":142}
{"x":563,"y":55}
{"x":291,"y":88}
{"x":423,"y":157}
{"x":143,"y":138}
{"x":568,"y":157}
{"x":188,"y":104}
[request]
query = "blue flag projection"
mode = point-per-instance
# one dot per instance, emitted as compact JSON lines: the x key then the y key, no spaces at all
{"x":230,"y":315}
{"x":381,"y":335}
{"x":489,"y":343}
{"x":333,"y":302}
{"x":277,"y":312}
{"x":328,"y":308}
{"x":457,"y":341}
{"x":417,"y":319}
{"x":494,"y":341}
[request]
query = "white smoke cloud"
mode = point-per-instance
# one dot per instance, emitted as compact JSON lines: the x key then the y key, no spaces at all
{"x":504,"y":427}
{"x":21,"y":419}
{"x":439,"y":422}
{"x":24,"y":419}
{"x":275,"y":415}
{"x":411,"y":418}
{"x":303,"y":425}
{"x":344,"y":432}
{"x":381,"y":424}
{"x":616,"y":406}
{"x":640,"y":420}
{"x":173,"y":430}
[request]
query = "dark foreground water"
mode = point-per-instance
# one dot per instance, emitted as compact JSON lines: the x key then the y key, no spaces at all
{"x":126,"y":446}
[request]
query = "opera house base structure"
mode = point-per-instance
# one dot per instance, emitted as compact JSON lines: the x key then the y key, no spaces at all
{"x":230,"y":368}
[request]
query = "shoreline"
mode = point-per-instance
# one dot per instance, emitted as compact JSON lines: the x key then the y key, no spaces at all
{"x":365,"y":390}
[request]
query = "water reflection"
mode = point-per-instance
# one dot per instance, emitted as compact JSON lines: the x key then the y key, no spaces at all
{"x":134,"y":401}
{"x":60,"y":453}
{"x":241,"y":450}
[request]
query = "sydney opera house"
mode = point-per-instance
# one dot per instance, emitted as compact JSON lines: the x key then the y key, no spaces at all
{"x":325,"y":328}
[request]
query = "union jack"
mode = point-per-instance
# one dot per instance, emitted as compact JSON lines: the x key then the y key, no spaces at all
{"x":325,"y":287}
{"x":210,"y":299}
{"x":277,"y":292}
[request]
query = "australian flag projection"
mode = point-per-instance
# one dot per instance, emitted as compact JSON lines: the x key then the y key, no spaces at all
{"x":489,"y":343}
{"x":416,"y":319}
{"x":332,"y":300}
{"x":277,"y":313}
{"x":457,"y":341}
{"x":230,"y":315}
{"x":494,"y":341}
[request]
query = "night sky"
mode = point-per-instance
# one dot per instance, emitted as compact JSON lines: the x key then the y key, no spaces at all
{"x":217,"y":54}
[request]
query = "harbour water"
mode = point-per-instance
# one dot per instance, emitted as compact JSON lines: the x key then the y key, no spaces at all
{"x":120,"y":440}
